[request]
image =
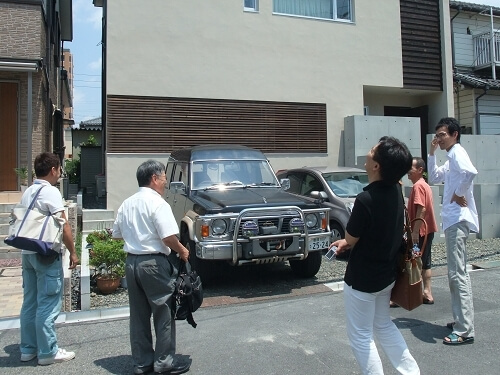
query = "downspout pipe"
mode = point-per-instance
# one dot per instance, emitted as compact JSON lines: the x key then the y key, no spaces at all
{"x":453,"y":38}
{"x":478,"y":117}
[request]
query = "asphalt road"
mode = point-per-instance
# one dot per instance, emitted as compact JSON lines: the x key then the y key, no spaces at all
{"x":292,"y":334}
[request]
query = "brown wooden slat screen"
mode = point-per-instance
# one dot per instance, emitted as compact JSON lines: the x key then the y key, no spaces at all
{"x":421,"y":44}
{"x":143,"y":124}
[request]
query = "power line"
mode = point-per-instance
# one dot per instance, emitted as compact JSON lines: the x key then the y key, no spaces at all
{"x":90,"y":75}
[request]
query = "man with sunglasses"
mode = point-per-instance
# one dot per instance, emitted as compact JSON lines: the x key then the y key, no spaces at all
{"x":459,"y":217}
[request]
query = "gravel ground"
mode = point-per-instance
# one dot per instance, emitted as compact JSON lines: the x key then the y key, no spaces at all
{"x":259,"y":280}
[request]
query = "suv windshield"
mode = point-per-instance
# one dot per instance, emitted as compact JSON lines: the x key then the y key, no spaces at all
{"x":236,"y":173}
{"x":346,"y":184}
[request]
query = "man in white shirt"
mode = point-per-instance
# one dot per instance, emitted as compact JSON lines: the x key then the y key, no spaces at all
{"x":459,"y":217}
{"x":43,"y":276}
{"x":147,"y":225}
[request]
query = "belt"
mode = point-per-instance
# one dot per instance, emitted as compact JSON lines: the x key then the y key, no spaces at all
{"x":150,"y":254}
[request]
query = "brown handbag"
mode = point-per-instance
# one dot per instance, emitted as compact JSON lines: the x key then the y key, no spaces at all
{"x":407,"y":290}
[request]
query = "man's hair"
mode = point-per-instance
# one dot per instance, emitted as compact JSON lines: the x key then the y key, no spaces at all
{"x":44,"y":163}
{"x":451,"y":124}
{"x":394,"y":158}
{"x":146,"y":171}
{"x":420,"y":163}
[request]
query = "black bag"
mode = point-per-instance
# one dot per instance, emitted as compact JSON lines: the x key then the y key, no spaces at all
{"x":188,"y":293}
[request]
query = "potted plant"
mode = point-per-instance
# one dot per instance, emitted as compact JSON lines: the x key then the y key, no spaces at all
{"x":108,"y":259}
{"x":22,"y":173}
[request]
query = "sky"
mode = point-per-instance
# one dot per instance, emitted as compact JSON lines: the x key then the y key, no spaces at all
{"x":86,"y":50}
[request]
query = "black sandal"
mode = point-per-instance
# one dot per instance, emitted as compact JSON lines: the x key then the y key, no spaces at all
{"x":454,"y":339}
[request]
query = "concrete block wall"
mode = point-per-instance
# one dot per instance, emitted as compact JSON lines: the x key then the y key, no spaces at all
{"x":361,"y":133}
{"x":487,"y":197}
{"x":484,"y":152}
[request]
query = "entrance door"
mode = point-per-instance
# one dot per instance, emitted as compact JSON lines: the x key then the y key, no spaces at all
{"x":422,"y":113}
{"x":8,"y":136}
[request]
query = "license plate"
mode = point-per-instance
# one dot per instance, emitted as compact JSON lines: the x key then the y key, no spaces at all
{"x":319,"y":243}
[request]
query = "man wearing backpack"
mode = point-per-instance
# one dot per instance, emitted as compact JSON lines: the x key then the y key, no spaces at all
{"x":146,"y":224}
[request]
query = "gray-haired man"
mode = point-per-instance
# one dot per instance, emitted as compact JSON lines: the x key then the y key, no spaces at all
{"x":148,"y":227}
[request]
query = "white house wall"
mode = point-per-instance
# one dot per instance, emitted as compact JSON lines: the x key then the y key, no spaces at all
{"x":214,"y":49}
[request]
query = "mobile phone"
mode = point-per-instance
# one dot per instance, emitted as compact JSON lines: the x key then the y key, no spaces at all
{"x":331,"y":253}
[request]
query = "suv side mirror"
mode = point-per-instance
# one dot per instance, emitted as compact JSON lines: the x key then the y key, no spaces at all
{"x":285,"y":183}
{"x":319,"y":195}
{"x":177,"y":187}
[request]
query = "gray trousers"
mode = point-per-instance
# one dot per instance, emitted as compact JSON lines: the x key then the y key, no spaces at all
{"x":150,"y":280}
{"x":459,"y":280}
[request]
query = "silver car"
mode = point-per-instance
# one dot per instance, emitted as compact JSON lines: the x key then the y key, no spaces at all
{"x":341,"y":185}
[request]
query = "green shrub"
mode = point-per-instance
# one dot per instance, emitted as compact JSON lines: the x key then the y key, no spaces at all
{"x":73,"y":170}
{"x":106,"y":255}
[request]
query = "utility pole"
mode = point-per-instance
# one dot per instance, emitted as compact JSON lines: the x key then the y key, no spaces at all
{"x":493,"y":45}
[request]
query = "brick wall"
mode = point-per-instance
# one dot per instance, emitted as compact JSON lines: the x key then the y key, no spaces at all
{"x":20,"y":31}
{"x":23,"y":35}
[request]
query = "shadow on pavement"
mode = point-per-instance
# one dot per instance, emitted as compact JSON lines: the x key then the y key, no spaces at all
{"x":256,"y":282}
{"x":424,"y":331}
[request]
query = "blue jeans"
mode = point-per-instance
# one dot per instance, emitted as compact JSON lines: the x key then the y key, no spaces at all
{"x":42,"y":290}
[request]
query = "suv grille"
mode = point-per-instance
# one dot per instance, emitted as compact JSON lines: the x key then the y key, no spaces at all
{"x":282,"y":223}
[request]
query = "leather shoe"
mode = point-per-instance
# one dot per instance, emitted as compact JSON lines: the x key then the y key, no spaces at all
{"x":140,"y":370}
{"x":179,"y":368}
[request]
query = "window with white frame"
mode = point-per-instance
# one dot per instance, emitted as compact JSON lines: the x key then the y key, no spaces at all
{"x":325,"y":9}
{"x":251,"y":5}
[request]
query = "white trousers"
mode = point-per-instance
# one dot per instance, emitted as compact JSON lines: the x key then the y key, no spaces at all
{"x":367,"y":314}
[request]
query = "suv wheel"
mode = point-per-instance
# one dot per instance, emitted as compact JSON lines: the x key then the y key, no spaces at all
{"x":337,"y":231}
{"x":308,"y":267}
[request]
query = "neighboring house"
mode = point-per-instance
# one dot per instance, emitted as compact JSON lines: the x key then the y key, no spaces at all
{"x":81,"y":134}
{"x":33,"y":86}
{"x":68,"y":120}
{"x":286,"y":77}
{"x":90,"y":155}
{"x":476,"y":62}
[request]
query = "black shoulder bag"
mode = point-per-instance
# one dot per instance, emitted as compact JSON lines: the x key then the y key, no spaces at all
{"x":188,"y":293}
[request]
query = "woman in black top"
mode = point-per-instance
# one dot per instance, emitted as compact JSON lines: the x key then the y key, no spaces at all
{"x":374,"y":234}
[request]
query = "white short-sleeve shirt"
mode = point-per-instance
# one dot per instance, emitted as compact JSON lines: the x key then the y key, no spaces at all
{"x":143,"y":220}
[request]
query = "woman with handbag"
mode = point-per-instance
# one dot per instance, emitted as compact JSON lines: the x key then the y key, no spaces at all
{"x":374,"y":236}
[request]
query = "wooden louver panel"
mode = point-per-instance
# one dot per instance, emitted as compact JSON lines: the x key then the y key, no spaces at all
{"x":141,"y":124}
{"x":421,"y":44}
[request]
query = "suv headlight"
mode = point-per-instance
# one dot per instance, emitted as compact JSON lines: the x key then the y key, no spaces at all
{"x":311,"y":220}
{"x":219,"y":226}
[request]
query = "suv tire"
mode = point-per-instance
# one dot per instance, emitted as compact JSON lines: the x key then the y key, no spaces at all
{"x":201,"y":267}
{"x":308,"y":267}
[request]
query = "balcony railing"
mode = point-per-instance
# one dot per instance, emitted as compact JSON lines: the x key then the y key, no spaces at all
{"x":482,"y":49}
